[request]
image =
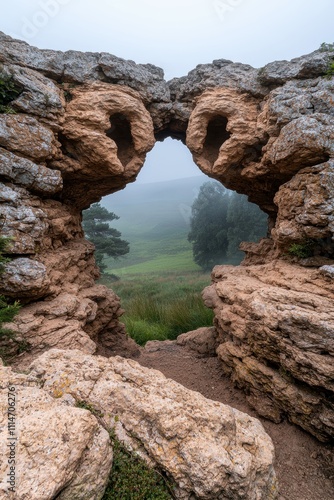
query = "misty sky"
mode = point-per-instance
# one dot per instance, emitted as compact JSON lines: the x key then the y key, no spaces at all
{"x":175,"y":35}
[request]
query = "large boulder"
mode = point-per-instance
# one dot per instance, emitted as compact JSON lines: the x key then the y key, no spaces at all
{"x":55,"y":450}
{"x":208,"y":449}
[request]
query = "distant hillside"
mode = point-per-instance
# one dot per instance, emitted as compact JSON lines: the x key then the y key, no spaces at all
{"x":154,"y":218}
{"x":156,"y":208}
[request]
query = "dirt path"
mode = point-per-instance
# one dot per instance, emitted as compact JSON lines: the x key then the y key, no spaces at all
{"x":304,"y":466}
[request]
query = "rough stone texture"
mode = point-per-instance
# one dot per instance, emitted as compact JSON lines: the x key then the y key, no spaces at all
{"x":62,"y":451}
{"x":84,"y":123}
{"x":306,"y":207}
{"x":209,"y":449}
{"x":106,"y":156}
{"x":24,"y":172}
{"x":14,"y":131}
{"x":79,"y":67}
{"x":275,"y":324}
{"x":203,"y":341}
{"x":25,"y":278}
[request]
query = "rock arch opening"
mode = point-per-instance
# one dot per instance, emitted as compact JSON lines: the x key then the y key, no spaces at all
{"x":159,"y":282}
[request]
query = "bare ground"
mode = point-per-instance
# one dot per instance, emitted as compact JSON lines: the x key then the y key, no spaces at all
{"x":304,"y":466}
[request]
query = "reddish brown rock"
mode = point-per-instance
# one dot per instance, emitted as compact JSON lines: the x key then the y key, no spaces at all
{"x":83,"y":126}
{"x":275,"y":325}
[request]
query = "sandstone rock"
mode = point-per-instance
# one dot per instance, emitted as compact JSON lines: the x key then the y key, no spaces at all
{"x":306,"y":207}
{"x":108,"y":131}
{"x":207,"y":448}
{"x":79,"y":67}
{"x":61,"y":451}
{"x":265,"y":133}
{"x":233,"y":117}
{"x":25,"y":135}
{"x":203,"y":341}
{"x":275,"y":323}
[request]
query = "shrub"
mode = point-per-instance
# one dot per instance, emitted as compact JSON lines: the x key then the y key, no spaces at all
{"x":326,"y":47}
{"x":132,"y":479}
{"x":302,"y":250}
{"x":330,"y":72}
{"x":8,"y":93}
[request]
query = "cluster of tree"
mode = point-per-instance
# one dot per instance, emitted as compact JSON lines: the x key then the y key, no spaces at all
{"x":220,"y":220}
{"x":106,"y":239}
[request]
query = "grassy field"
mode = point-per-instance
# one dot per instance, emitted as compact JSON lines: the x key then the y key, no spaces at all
{"x":161,"y":306}
{"x":159,"y":284}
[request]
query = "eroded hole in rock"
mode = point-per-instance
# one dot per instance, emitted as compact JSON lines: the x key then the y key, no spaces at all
{"x":215,"y":137}
{"x":120,"y":133}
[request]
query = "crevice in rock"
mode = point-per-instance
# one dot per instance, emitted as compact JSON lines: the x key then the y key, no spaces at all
{"x":66,"y":148}
{"x":120,"y":133}
{"x":215,"y":137}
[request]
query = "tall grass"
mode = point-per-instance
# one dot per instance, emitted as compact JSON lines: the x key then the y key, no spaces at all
{"x":162,"y":307}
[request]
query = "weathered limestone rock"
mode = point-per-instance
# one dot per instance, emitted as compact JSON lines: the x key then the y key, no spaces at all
{"x":203,"y":341}
{"x":61,"y":452}
{"x":83,"y":127}
{"x":275,"y":325}
{"x":39,"y":96}
{"x":223,"y":135}
{"x":25,"y":278}
{"x":209,"y":449}
{"x":78,"y":67}
{"x":311,"y":65}
{"x":24,"y":172}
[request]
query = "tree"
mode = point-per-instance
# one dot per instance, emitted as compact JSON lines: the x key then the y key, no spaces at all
{"x":246,"y":222}
{"x":220,"y":220}
{"x":208,"y":225}
{"x":106,"y":239}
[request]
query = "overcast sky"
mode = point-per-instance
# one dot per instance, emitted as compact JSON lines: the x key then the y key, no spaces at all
{"x":175,"y":35}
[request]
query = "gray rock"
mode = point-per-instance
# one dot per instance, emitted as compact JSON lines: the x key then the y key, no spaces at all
{"x":26,"y":173}
{"x":25,"y":278}
{"x":8,"y":195}
{"x":26,"y":226}
{"x":80,"y":67}
{"x":39,"y":96}
{"x":308,"y":66}
{"x":327,"y":271}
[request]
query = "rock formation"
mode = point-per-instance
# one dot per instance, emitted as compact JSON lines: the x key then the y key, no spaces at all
{"x":63,"y":451}
{"x":208,"y":449}
{"x":80,"y":128}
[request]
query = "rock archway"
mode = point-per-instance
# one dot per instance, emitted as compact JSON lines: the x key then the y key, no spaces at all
{"x":80,"y":129}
